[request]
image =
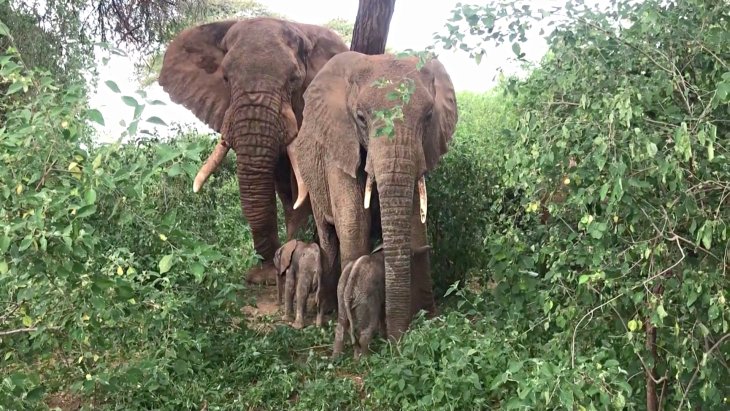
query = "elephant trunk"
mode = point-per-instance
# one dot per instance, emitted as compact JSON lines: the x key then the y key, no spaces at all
{"x":256,"y":132}
{"x":395,"y":178}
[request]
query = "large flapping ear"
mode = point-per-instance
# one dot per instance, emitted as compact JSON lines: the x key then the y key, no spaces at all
{"x":443,"y":120}
{"x":328,"y":117}
{"x":287,"y":251}
{"x":192,"y":74}
{"x":325,"y":44}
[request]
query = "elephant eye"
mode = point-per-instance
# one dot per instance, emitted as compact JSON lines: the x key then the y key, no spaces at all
{"x":225,"y":78}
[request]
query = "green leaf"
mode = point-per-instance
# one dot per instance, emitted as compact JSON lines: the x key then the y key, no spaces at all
{"x":25,"y":243}
{"x":35,"y":394}
{"x":130,"y":101}
{"x":478,"y":58}
{"x":661,"y":312}
{"x":714,"y":312}
{"x":707,"y":235}
{"x":95,"y":116}
{"x":180,"y":366}
{"x":113,"y":86}
{"x":14,"y":88}
{"x":156,"y":120}
{"x":175,"y":170}
{"x":4,"y":30}
{"x":198,"y":271}
{"x":165,"y":263}
{"x":566,"y":396}
{"x":516,"y":49}
{"x":4,"y":243}
{"x":90,"y":196}
{"x":86,"y":211}
{"x":583,"y":279}
{"x":4,"y":267}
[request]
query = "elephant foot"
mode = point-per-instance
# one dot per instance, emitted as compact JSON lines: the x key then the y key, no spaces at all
{"x":298,"y":324}
{"x":262,"y":275}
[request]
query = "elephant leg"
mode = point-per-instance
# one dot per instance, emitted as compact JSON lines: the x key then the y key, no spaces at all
{"x":289,"y":290}
{"x":286,"y":188}
{"x":421,"y":282}
{"x":327,"y":287}
{"x":366,"y":335}
{"x":304,"y":284}
{"x":352,"y":220}
{"x":280,"y":284}
{"x":343,"y":323}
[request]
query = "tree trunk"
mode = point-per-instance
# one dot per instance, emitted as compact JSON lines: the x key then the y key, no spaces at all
{"x":371,"y":26}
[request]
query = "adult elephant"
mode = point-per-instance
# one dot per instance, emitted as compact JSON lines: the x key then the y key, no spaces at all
{"x":340,"y":158}
{"x":245,"y":79}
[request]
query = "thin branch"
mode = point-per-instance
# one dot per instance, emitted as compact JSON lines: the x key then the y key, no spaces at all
{"x":697,"y":370}
{"x":642,"y":284}
{"x":25,"y":330}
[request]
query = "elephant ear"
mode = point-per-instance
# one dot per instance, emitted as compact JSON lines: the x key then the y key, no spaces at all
{"x":328,"y":117}
{"x":443,"y":120}
{"x":325,"y":44}
{"x":192,"y":74}
{"x":287,"y":251}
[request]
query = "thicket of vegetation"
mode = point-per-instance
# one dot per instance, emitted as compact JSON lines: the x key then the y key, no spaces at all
{"x":586,"y":264}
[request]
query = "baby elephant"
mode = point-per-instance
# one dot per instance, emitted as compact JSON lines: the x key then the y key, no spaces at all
{"x":299,"y":268}
{"x":361,"y":300}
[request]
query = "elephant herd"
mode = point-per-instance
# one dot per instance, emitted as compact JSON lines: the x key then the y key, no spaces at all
{"x":302,"y":113}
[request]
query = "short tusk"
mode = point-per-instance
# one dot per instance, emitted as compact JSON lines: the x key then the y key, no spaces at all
{"x":302,"y":191}
{"x":368,"y":191}
{"x":423,"y":198}
{"x":211,"y":164}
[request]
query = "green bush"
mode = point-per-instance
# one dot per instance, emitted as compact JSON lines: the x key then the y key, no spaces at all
{"x":584,"y":206}
{"x":457,"y":233}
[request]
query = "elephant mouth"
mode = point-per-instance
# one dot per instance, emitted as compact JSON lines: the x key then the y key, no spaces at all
{"x":422,"y":197}
{"x":289,"y":129}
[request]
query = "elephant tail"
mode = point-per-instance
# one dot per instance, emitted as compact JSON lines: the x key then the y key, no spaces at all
{"x":348,"y":294}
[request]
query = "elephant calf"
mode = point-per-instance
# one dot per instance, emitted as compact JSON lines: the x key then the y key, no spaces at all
{"x":361,"y":299}
{"x":361,"y":302}
{"x":299,"y":269}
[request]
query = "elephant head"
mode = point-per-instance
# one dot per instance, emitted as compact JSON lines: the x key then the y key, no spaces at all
{"x":341,"y":116}
{"x":245,"y":79}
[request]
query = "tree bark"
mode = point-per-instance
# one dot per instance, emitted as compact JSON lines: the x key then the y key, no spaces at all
{"x":371,"y":26}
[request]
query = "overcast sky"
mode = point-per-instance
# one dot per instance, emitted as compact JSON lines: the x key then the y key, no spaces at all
{"x":412,"y":27}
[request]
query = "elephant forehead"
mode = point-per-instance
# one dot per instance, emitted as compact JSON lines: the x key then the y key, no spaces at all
{"x":262,"y":35}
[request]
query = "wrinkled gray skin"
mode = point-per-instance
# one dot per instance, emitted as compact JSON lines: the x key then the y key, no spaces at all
{"x":338,"y":149}
{"x":245,"y":79}
{"x":361,"y":300}
{"x":299,"y":269}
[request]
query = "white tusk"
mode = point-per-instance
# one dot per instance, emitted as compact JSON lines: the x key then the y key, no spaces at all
{"x":368,"y":191}
{"x":423,"y":198}
{"x":211,"y":164}
{"x":302,"y":191}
